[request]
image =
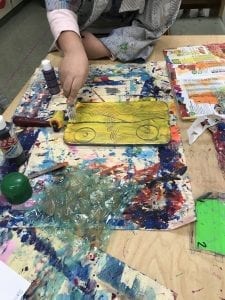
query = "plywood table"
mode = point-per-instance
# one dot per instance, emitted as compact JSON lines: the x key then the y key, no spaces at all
{"x":167,"y":256}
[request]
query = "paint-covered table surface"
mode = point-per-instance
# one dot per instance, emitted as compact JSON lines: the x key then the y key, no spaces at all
{"x":168,"y":256}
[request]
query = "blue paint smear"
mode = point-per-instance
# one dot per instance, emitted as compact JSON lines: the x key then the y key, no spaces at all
{"x":150,"y":89}
{"x":108,"y":82}
{"x":112,"y":153}
{"x":86,"y":162}
{"x":100,"y":295}
{"x":47,"y":163}
{"x":221,"y":126}
{"x":44,"y":246}
{"x":112,"y":272}
{"x":116,"y":222}
{"x":81,"y":271}
{"x":141,"y":213}
{"x":140,"y":152}
{"x":169,"y":157}
{"x":168,"y":154}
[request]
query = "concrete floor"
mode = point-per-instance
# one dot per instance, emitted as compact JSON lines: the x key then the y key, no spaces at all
{"x":25,"y":39}
{"x":198,"y":26}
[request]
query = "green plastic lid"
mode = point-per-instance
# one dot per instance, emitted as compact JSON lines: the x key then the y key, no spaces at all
{"x":16,"y":188}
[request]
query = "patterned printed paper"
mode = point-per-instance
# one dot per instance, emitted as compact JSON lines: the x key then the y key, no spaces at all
{"x":197,"y":76}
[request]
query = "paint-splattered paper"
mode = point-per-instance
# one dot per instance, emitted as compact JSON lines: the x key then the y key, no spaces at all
{"x":119,"y":123}
{"x":119,"y":82}
{"x":128,"y":187}
{"x":197,"y":76}
{"x":200,"y":125}
{"x":61,"y":266}
{"x":218,"y":136}
{"x":216,"y":125}
{"x":210,"y":225}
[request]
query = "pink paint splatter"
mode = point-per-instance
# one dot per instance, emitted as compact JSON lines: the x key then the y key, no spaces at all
{"x":6,"y":250}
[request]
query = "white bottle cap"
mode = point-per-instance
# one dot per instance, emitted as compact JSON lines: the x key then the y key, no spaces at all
{"x":46,"y":65}
{"x":2,"y":122}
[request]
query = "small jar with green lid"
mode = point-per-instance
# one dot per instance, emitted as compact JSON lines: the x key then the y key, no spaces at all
{"x":16,"y":188}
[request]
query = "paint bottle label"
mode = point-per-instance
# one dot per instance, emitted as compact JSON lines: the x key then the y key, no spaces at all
{"x":10,"y":145}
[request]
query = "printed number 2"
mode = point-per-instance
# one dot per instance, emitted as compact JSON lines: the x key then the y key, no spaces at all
{"x":202,"y":244}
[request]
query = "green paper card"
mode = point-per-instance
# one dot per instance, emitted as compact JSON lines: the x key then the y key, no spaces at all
{"x":210,"y":224}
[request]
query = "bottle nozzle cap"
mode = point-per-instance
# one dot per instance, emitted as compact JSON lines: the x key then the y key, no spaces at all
{"x":2,"y":122}
{"x":46,"y":65}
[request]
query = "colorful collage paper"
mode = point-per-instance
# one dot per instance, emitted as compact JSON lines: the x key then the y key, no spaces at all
{"x":197,"y":76}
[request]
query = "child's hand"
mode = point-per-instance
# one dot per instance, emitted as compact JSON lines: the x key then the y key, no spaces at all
{"x":73,"y":73}
{"x":73,"y":69}
{"x":74,"y":66}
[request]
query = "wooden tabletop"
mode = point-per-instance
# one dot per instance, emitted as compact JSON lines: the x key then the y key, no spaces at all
{"x":167,"y":256}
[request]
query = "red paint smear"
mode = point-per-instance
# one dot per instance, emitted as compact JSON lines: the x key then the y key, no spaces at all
{"x":107,"y":171}
{"x":76,"y":281}
{"x":175,"y":133}
{"x":148,"y":196}
{"x":146,"y":202}
{"x":146,"y":174}
{"x":218,"y":140}
{"x":104,"y":78}
{"x":101,"y":79}
{"x":37,"y":143}
{"x":177,"y":200}
{"x":183,"y":111}
{"x":151,"y":196}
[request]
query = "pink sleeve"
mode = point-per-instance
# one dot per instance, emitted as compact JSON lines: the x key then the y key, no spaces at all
{"x":62,"y":20}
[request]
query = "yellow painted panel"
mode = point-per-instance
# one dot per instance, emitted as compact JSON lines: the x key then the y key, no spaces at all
{"x":120,"y":123}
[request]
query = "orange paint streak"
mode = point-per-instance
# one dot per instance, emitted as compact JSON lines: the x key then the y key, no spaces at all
{"x":106,"y":171}
{"x":204,"y":98}
{"x":146,"y":174}
{"x":175,"y":133}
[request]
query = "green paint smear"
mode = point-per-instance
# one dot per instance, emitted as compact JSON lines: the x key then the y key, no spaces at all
{"x":84,"y":200}
{"x":210,"y":225}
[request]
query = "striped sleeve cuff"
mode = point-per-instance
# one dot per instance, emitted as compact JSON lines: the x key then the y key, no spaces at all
{"x":62,"y":20}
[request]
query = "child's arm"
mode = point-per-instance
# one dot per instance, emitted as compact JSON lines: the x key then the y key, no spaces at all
{"x":73,"y":69}
{"x":74,"y":65}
